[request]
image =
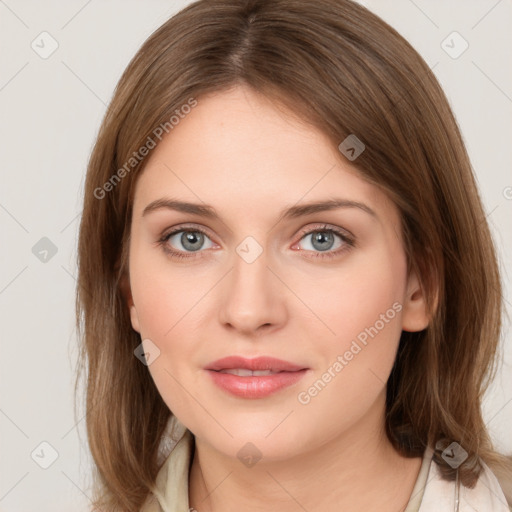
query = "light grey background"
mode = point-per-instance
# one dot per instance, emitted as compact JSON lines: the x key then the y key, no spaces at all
{"x":50,"y":112}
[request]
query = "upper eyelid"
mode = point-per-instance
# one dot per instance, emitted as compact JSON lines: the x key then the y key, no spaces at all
{"x":327,"y":227}
{"x":179,"y":229}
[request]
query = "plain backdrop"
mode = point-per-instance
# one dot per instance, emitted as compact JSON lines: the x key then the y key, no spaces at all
{"x":51,"y":107}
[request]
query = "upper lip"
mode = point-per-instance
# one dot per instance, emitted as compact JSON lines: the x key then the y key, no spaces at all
{"x":257,"y":363}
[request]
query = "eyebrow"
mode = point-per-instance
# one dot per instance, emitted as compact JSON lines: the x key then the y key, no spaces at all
{"x":292,"y":212}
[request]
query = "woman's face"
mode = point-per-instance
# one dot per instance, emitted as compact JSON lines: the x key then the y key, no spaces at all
{"x":264,"y":275}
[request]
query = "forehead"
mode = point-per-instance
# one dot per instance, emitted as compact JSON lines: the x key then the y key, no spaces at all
{"x":238,"y":149}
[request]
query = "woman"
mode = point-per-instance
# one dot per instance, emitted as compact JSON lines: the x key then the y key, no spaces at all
{"x":279,"y":223}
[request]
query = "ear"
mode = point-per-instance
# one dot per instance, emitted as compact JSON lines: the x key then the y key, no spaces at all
{"x":124,"y":285}
{"x":414,"y":314}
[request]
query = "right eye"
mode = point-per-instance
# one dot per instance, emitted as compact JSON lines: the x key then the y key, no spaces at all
{"x":182,"y":242}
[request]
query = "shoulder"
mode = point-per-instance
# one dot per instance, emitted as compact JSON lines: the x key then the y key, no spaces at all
{"x":441,"y":494}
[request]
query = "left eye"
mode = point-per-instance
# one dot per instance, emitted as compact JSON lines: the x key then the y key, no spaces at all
{"x":323,"y":240}
{"x":191,"y":241}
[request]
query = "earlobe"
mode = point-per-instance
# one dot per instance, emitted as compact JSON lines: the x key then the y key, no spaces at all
{"x":415,"y":316}
{"x":125,"y":288}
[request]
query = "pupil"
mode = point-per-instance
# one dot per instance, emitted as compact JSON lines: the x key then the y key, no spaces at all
{"x":190,"y":240}
{"x":321,"y":237}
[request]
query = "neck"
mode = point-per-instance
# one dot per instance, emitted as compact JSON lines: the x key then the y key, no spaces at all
{"x":355,"y":470}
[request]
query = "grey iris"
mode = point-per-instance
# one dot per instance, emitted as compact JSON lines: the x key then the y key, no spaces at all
{"x":322,"y":240}
{"x":192,"y":240}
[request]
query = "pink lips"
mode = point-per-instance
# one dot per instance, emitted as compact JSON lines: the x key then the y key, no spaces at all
{"x":281,"y":375}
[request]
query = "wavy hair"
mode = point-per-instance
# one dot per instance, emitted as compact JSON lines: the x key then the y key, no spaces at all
{"x":343,"y":70}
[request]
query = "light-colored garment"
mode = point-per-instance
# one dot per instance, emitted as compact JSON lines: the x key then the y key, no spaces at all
{"x":431,"y":493}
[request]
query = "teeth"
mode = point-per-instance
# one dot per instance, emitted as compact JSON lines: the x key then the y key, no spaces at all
{"x":242,"y":372}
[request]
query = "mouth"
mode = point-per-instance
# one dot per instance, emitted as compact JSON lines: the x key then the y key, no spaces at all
{"x":254,"y":378}
{"x":243,"y":372}
{"x":257,"y":364}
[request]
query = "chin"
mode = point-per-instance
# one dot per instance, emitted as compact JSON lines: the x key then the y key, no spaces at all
{"x":259,"y":440}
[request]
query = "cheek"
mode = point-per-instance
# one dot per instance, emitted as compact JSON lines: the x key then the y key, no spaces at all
{"x":360,"y":307}
{"x":352,"y":298}
{"x":165,"y":308}
{"x":170,"y":304}
{"x":163,"y":293}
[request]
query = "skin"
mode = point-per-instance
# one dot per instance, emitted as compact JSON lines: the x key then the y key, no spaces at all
{"x":239,"y":153}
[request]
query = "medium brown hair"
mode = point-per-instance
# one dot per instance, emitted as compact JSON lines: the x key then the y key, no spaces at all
{"x":342,"y":69}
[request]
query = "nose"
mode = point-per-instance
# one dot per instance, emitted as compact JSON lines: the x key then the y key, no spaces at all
{"x":253,"y":297}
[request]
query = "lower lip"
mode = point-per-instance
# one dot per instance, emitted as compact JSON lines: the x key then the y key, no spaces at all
{"x":256,"y":386}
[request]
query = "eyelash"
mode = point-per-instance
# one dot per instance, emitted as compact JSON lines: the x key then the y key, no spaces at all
{"x":349,"y":242}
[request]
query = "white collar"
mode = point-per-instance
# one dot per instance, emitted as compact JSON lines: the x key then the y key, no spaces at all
{"x":440,"y":495}
{"x":171,"y":491}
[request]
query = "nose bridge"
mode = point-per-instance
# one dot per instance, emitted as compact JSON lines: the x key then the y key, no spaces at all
{"x":251,"y":298}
